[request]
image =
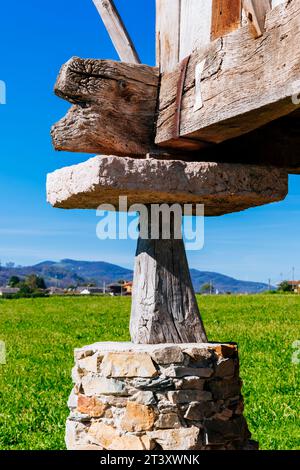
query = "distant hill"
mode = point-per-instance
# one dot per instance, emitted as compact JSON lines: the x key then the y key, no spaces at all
{"x":69,"y":272}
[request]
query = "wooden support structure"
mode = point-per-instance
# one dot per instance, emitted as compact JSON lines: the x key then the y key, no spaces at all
{"x":117,"y":31}
{"x":114,"y":107}
{"x":256,"y":11}
{"x":217,"y":95}
{"x":226,"y":17}
{"x":164,"y":306}
{"x":245,"y":84}
{"x":115,"y":104}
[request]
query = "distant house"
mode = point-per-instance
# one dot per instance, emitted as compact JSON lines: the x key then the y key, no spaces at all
{"x":295,"y":286}
{"x":56,"y":291}
{"x":127,"y":287}
{"x":89,"y":290}
{"x":8,"y":291}
{"x":115,"y":288}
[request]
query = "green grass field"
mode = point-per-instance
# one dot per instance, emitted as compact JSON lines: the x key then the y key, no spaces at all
{"x":40,"y":336}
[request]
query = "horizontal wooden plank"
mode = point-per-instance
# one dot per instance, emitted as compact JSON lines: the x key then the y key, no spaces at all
{"x":114,"y":107}
{"x":245,"y":84}
{"x":117,"y":31}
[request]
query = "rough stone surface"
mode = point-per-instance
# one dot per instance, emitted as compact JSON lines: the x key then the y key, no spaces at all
{"x":128,"y":365}
{"x":186,"y":396}
{"x":138,"y":418}
{"x":91,"y":406}
{"x":177,"y":439}
{"x":168,"y":355}
{"x":93,"y":385}
{"x":174,"y":371}
{"x":199,"y":406}
{"x":221,"y":187}
{"x":89,"y":363}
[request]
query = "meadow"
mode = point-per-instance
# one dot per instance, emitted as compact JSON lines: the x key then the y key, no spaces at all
{"x":40,"y":335}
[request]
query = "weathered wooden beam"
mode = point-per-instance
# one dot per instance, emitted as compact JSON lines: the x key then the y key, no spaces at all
{"x":167,"y":34}
{"x":226,"y":17}
{"x":195,"y":25}
{"x":164,"y":307}
{"x":245,"y":84}
{"x":222,"y":188}
{"x":181,"y":27}
{"x":117,"y":31}
{"x":114,"y":107}
{"x":256,"y":11}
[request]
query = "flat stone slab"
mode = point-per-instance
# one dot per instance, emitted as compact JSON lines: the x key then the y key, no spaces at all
{"x":222,"y":187}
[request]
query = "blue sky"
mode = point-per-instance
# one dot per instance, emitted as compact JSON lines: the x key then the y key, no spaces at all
{"x":36,"y":39}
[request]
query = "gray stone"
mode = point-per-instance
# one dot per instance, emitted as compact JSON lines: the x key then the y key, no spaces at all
{"x":177,"y":439}
{"x":76,"y":434}
{"x":189,"y":383}
{"x":187,"y":396}
{"x":144,"y":398}
{"x":178,"y":372}
{"x":168,"y":355}
{"x":168,"y":421}
{"x":94,"y":385}
{"x":79,"y":417}
{"x":222,"y":187}
{"x":90,"y":363}
{"x":199,"y":411}
{"x":160,"y":383}
{"x":73,"y":400}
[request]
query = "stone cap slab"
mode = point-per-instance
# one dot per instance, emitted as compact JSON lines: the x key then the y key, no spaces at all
{"x":128,"y":347}
{"x":222,"y":187}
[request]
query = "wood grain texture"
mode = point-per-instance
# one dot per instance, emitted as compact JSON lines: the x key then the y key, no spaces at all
{"x":226,"y":17}
{"x":164,"y":306}
{"x":114,"y":107}
{"x":256,"y":11}
{"x":167,"y":33}
{"x":117,"y":31}
{"x":195,"y":25}
{"x":246,"y":83}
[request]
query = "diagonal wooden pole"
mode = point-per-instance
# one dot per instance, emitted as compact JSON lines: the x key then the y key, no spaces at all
{"x":117,"y":31}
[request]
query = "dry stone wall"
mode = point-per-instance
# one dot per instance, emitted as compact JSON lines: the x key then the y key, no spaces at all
{"x":146,"y":397}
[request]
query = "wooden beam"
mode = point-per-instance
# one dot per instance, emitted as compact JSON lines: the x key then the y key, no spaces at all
{"x":117,"y":31}
{"x":195,"y":25}
{"x":167,"y":34}
{"x":256,"y":11}
{"x":245,"y":84}
{"x":114,"y":107}
{"x":226,"y":17}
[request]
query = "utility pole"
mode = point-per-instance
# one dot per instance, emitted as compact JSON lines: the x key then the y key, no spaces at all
{"x":104,"y":287}
{"x":269,"y":285}
{"x":293,"y":269}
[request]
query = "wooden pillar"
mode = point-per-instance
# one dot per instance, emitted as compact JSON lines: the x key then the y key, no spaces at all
{"x":164,"y":306}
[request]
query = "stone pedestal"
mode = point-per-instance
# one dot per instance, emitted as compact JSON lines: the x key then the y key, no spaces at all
{"x":151,"y":397}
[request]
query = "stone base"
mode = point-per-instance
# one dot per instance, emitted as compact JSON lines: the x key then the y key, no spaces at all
{"x":152,"y":397}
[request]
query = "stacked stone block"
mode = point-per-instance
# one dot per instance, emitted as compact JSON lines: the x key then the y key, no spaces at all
{"x":153,"y":397}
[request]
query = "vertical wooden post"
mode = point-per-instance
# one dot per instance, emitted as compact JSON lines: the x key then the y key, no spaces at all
{"x":226,"y":17}
{"x":164,"y":306}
